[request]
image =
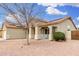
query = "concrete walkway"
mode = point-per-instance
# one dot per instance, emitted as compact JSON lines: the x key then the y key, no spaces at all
{"x":39,"y":48}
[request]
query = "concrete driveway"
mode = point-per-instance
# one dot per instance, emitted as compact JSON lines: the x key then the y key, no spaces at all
{"x":39,"y":48}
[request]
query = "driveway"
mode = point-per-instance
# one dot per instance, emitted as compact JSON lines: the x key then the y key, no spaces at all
{"x":39,"y":48}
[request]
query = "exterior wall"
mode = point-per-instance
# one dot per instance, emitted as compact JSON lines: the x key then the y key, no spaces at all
{"x":15,"y":33}
{"x":1,"y":33}
{"x":63,"y":27}
{"x":12,"y":33}
{"x":33,"y":33}
{"x":68,"y":35}
{"x":4,"y":32}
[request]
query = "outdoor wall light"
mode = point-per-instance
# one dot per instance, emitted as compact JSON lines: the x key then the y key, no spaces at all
{"x":68,"y":28}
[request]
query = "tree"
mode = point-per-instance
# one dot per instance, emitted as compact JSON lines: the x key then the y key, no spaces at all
{"x":22,"y":13}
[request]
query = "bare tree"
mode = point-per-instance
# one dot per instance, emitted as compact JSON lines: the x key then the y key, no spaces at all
{"x":22,"y":13}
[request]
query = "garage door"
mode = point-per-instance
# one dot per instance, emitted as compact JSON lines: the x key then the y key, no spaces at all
{"x":75,"y":35}
{"x":15,"y":33}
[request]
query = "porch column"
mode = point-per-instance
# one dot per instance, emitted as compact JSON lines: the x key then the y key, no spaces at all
{"x":36,"y":32}
{"x":30,"y":33}
{"x":50,"y":33}
{"x":68,"y":35}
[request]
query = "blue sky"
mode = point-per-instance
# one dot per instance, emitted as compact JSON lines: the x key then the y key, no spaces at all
{"x":53,"y":11}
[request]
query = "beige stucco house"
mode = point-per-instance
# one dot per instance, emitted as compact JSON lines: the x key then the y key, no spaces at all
{"x":40,"y":30}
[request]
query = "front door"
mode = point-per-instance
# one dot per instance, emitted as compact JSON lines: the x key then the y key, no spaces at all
{"x":44,"y":32}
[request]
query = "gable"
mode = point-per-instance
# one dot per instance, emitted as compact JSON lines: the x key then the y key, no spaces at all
{"x":66,"y":19}
{"x":65,"y":25}
{"x":71,"y":23}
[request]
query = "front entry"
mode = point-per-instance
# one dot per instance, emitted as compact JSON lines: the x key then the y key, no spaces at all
{"x":44,"y":32}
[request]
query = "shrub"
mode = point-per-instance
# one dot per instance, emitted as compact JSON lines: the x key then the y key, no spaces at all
{"x":58,"y":36}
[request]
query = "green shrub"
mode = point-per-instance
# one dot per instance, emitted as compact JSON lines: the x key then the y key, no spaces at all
{"x":58,"y":36}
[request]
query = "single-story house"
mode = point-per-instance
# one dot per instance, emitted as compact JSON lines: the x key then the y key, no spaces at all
{"x":41,"y":29}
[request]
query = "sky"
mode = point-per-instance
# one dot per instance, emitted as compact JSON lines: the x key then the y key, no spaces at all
{"x":53,"y":11}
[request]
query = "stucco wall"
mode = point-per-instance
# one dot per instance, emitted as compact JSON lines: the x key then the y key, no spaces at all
{"x":12,"y":33}
{"x":1,"y":34}
{"x":63,"y":27}
{"x":15,"y":33}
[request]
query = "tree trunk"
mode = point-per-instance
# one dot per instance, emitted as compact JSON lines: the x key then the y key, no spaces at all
{"x":27,"y":37}
{"x":28,"y":40}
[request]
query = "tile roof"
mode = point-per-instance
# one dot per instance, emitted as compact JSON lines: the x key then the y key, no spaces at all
{"x":40,"y":22}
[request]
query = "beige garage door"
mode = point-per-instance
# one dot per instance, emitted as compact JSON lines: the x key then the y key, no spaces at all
{"x":15,"y":33}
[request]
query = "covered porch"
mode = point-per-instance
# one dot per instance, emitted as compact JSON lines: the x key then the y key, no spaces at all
{"x":38,"y":32}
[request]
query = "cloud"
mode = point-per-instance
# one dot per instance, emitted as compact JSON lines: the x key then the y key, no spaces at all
{"x":10,"y":18}
{"x":78,"y":18}
{"x":1,"y":24}
{"x":51,"y":4}
{"x":77,"y":25}
{"x":54,"y":11}
{"x":51,"y":8}
{"x":59,"y":4}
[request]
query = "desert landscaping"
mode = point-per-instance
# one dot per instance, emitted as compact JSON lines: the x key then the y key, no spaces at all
{"x":39,"y":29}
{"x":39,"y":48}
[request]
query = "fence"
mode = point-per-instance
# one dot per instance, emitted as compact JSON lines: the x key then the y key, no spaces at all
{"x":75,"y":35}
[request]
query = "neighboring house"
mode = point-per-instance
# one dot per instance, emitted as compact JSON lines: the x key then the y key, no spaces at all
{"x":40,"y":30}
